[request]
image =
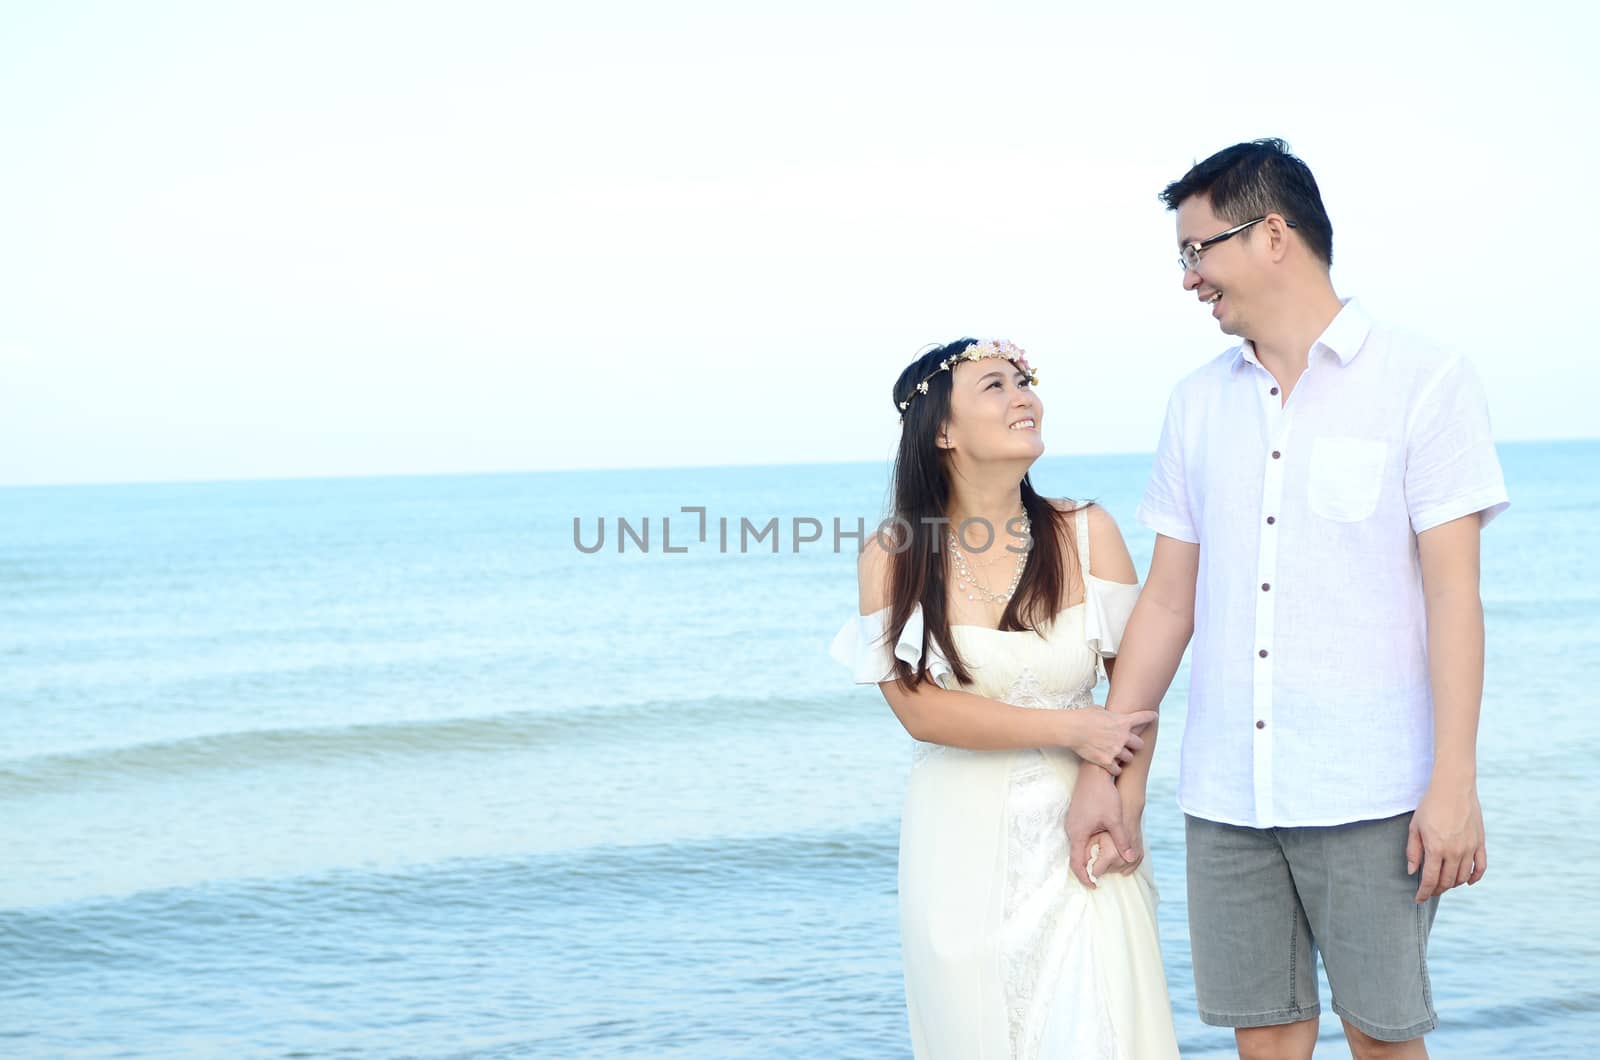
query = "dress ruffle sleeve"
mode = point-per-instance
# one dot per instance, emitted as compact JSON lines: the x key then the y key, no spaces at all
{"x":860,"y":646}
{"x":1106,"y":608}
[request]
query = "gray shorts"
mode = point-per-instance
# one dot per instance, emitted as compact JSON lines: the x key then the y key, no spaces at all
{"x":1264,"y":901}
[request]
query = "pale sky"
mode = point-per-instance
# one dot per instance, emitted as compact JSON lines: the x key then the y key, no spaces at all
{"x":283,"y":240}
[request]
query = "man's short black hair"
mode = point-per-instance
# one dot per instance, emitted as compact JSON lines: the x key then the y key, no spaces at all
{"x":1253,"y":179}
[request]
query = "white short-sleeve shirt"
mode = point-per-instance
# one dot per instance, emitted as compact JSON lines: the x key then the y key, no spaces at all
{"x":1309,"y":700}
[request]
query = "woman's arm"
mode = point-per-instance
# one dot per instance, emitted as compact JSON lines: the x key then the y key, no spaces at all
{"x":978,"y":723}
{"x":961,"y":719}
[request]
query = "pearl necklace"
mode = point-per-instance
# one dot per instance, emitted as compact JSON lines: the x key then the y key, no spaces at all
{"x":966,"y":581}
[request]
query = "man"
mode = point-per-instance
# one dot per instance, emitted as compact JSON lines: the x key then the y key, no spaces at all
{"x":1317,"y":497}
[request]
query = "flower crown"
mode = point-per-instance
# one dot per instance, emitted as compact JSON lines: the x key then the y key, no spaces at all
{"x":1002,"y":348}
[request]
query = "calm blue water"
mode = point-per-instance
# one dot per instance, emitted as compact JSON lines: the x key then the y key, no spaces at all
{"x":389,"y":767}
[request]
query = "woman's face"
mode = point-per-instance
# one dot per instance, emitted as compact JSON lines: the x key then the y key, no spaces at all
{"x":994,"y":413}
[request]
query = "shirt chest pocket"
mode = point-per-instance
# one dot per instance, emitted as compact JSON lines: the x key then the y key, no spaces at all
{"x":1346,"y":477}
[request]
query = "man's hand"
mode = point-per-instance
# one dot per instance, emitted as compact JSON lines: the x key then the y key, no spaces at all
{"x":1446,"y":838}
{"x":1096,"y":807}
{"x":1110,"y":859}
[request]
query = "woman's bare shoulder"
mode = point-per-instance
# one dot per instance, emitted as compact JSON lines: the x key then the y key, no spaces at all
{"x":873,"y":568}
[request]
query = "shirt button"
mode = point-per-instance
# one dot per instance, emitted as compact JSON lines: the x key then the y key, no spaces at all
{"x":1276,"y":454}
{"x":1271,"y":519}
{"x":1262,"y":653}
{"x":1274,"y":391}
{"x":1266,"y":587}
{"x":1261,"y":725}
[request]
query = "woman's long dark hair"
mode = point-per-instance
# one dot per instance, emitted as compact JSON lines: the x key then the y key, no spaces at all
{"x":922,"y":494}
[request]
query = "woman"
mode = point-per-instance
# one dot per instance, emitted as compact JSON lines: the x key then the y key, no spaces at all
{"x":989,"y":657}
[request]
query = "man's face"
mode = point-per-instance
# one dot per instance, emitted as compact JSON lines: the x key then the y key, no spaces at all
{"x":1227,"y":276}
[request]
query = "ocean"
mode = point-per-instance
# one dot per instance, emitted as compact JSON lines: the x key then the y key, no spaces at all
{"x":394,"y":767}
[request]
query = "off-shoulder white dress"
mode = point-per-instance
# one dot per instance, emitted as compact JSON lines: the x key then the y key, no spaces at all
{"x":1006,"y":954}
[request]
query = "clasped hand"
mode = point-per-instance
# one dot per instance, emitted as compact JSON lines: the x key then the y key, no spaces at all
{"x":1096,"y":815}
{"x":1110,"y":740}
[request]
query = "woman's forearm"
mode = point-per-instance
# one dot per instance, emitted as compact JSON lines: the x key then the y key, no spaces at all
{"x":977,"y":723}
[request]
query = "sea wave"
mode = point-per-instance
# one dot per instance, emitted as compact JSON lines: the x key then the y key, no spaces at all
{"x":507,"y":731}
{"x":148,"y":923}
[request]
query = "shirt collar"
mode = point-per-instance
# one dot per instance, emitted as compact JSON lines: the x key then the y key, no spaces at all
{"x":1344,"y":336}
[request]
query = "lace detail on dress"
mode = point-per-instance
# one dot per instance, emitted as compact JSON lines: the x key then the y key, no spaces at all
{"x":1032,"y":903}
{"x":1039,"y":945}
{"x":1028,"y":691}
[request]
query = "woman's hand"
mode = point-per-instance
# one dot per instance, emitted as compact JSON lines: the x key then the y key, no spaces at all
{"x":1105,"y":739}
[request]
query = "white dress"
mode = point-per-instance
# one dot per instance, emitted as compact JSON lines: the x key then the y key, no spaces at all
{"x":1006,"y":954}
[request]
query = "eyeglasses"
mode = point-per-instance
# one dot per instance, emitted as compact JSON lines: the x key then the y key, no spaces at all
{"x":1190,"y":256}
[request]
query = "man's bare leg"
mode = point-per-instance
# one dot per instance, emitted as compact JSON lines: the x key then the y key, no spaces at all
{"x":1286,"y":1041}
{"x":1365,"y":1047}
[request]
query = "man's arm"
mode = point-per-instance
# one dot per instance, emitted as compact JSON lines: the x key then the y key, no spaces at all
{"x":1153,"y":645}
{"x":1152,"y":648}
{"x":1447,"y":838}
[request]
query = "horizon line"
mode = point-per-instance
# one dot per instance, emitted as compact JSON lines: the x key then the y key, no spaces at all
{"x":601,"y":470}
